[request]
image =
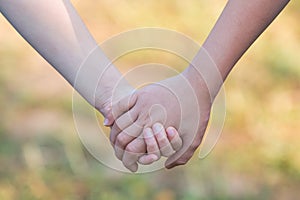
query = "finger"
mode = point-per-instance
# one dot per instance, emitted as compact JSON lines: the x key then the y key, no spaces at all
{"x":162,"y":140}
{"x":114,"y":132}
{"x":121,"y":107}
{"x":108,"y":116}
{"x":153,"y":152}
{"x":122,"y":123}
{"x":133,"y":151}
{"x":105,"y":110}
{"x":133,"y":168}
{"x":148,"y":159}
{"x":182,"y":160}
{"x":125,"y":137}
{"x":184,"y":154}
{"x":151,"y":143}
{"x":126,"y":119}
{"x":174,"y":138}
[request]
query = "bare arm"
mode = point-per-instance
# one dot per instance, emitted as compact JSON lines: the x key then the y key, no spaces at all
{"x":236,"y":29}
{"x":239,"y":25}
{"x":55,"y":30}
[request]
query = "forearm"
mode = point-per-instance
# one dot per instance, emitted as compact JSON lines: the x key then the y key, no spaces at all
{"x":55,"y":30}
{"x":239,"y":25}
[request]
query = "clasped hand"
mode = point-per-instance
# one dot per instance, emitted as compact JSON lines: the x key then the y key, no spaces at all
{"x":138,"y":121}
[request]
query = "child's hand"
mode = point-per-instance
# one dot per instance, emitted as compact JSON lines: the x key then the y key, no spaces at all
{"x":159,"y":142}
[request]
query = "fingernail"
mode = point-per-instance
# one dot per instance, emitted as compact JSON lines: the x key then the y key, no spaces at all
{"x":157,"y":128}
{"x":154,"y":157}
{"x":171,"y":132}
{"x":148,"y":133}
{"x":106,"y":122}
{"x":133,"y":168}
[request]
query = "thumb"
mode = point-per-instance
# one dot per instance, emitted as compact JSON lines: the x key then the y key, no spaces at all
{"x":108,"y":116}
{"x":114,"y":110}
{"x":175,"y":159}
{"x":182,"y":156}
{"x":122,"y":106}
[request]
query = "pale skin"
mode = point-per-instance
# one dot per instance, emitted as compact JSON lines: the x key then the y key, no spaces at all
{"x":239,"y":25}
{"x":56,"y":32}
{"x":64,"y":42}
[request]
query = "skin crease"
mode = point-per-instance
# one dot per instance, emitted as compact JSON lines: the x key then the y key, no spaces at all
{"x":239,"y":25}
{"x":56,"y":32}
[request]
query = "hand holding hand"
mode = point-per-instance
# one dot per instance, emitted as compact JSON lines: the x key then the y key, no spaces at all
{"x":171,"y":102}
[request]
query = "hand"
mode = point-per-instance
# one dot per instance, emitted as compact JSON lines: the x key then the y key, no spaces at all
{"x":171,"y":102}
{"x":162,"y":138}
{"x":159,"y":142}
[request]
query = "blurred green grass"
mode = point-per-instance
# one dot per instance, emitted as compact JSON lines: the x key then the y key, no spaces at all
{"x":257,"y":156}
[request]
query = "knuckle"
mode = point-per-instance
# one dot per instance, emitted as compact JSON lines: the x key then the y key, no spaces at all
{"x":167,"y":153}
{"x":131,"y":148}
{"x":118,"y":155}
{"x":114,"y":126}
{"x":178,"y":143}
{"x":177,"y":147}
{"x":132,"y":116}
{"x":170,"y":154}
{"x":121,"y":140}
{"x":117,"y":123}
{"x":112,"y":138}
{"x":163,"y":141}
{"x":152,"y":147}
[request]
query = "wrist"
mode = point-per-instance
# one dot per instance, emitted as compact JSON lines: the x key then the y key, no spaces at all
{"x":111,"y":87}
{"x":205,"y":84}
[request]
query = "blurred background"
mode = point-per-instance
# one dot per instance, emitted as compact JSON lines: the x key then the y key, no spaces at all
{"x":257,"y":156}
